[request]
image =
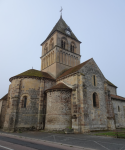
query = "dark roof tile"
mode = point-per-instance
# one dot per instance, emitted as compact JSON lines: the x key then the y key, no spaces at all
{"x":33,"y":73}
{"x":61,"y":27}
{"x":59,"y":86}
{"x":117,"y":97}
{"x":73,"y":69}
{"x":111,"y":84}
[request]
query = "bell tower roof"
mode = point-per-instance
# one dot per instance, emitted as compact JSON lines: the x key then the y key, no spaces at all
{"x":62,"y":27}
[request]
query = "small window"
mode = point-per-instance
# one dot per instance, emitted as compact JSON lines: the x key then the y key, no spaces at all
{"x":64,"y":44}
{"x":118,"y":109}
{"x":95,"y":100}
{"x":24,"y":102}
{"x":94,"y":80}
{"x":72,"y":47}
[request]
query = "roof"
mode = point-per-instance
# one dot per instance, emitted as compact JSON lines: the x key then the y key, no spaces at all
{"x":117,"y":97}
{"x":111,"y":84}
{"x":33,"y":73}
{"x":61,"y":27}
{"x":73,"y":69}
{"x":4,"y":97}
{"x":59,"y":86}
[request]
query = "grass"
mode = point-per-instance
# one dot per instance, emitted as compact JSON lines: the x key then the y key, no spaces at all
{"x":112,"y":134}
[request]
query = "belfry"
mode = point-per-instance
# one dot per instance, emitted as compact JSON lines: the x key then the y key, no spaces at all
{"x":60,"y":50}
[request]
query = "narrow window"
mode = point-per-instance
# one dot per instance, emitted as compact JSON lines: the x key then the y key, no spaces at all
{"x":62,"y":43}
{"x":24,"y":101}
{"x":94,"y":80}
{"x":118,"y":109}
{"x":94,"y":99}
{"x":73,"y":49}
{"x":52,"y":45}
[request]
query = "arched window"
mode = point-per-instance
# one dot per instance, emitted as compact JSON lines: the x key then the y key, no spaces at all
{"x":95,"y":100}
{"x":72,"y":47}
{"x":118,"y":109}
{"x":63,"y":43}
{"x":24,"y":102}
{"x":51,"y":44}
{"x":46,"y":48}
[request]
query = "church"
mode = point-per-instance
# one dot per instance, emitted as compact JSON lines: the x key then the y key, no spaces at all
{"x":64,"y":93}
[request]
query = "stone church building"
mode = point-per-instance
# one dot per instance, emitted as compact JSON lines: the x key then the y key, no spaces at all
{"x":64,"y":93}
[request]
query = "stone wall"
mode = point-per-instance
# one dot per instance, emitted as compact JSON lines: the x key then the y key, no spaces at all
{"x":113,"y":90}
{"x":58,"y":114}
{"x":95,"y":118}
{"x":3,"y":112}
{"x":12,"y":103}
{"x":28,"y":117}
{"x":72,"y":82}
{"x":119,"y":112}
{"x":18,"y":117}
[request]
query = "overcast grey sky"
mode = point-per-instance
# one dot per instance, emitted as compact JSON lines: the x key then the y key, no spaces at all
{"x":98,"y":24}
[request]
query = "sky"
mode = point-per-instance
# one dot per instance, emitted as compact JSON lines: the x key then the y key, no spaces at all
{"x":98,"y":24}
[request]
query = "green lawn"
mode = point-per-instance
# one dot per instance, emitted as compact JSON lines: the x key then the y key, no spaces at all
{"x":113,"y":134}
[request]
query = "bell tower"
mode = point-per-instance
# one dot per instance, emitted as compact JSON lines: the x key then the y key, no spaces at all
{"x":60,"y":50}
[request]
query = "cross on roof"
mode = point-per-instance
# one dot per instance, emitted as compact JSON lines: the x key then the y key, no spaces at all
{"x":61,"y":12}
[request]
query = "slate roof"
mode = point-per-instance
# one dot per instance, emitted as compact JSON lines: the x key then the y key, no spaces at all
{"x":33,"y":73}
{"x":111,"y":84}
{"x":59,"y":86}
{"x":73,"y":69}
{"x":117,"y":97}
{"x":61,"y":27}
{"x":4,"y":97}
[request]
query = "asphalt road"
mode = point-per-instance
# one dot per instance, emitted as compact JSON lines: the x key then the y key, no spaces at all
{"x":83,"y":141}
{"x":9,"y":142}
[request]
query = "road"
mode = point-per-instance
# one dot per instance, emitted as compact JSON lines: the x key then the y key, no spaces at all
{"x":50,"y":141}
{"x":9,"y":142}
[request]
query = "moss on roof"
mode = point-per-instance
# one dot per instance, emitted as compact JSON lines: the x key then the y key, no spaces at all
{"x":59,"y":86}
{"x":33,"y":73}
{"x":73,"y":69}
{"x":4,"y":97}
{"x":111,"y":84}
{"x":61,"y":27}
{"x":117,"y":97}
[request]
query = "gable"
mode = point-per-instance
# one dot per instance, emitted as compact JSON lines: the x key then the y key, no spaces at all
{"x":91,"y":67}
